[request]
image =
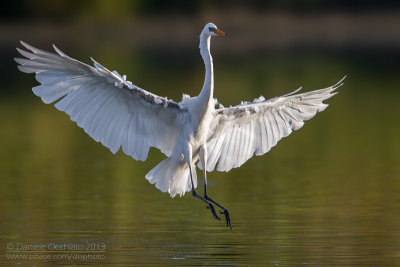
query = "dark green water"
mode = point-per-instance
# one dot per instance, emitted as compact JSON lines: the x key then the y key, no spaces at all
{"x":329,"y":194}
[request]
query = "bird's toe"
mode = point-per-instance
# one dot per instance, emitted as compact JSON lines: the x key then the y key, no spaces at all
{"x":227,"y":218}
{"x":211,"y":207}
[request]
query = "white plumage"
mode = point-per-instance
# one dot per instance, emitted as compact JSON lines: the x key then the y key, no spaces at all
{"x":119,"y":114}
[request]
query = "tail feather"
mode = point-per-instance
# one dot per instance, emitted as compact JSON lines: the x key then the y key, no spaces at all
{"x":172,"y":176}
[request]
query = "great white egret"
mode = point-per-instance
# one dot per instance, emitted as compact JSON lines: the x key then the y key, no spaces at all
{"x":119,"y":114}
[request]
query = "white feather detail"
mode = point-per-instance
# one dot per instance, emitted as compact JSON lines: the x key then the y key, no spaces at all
{"x":237,"y":133}
{"x":109,"y":108}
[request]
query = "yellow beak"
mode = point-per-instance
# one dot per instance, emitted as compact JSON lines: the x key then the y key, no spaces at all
{"x":220,"y":32}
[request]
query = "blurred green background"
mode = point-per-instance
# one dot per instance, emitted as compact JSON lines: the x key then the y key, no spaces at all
{"x":327,"y":195}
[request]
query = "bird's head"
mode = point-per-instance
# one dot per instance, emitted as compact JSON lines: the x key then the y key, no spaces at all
{"x":210,"y":30}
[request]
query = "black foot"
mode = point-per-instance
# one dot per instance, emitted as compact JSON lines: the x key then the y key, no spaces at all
{"x":225,"y":211}
{"x":211,"y":207}
{"x":227,"y":218}
{"x":209,"y":204}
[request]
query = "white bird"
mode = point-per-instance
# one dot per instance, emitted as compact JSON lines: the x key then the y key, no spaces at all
{"x":119,"y":114}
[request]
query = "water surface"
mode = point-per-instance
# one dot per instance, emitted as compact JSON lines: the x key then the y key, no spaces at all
{"x":326,"y":195}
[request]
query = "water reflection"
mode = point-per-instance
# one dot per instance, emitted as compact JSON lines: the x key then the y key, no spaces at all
{"x":328,"y":194}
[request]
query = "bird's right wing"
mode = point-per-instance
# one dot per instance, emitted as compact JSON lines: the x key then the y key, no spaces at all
{"x":110,"y":109}
{"x":237,"y":133}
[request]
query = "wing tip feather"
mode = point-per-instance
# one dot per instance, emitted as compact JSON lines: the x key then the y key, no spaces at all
{"x":25,"y":69}
{"x":28,"y":46}
{"x":23,"y":43}
{"x":18,"y":60}
{"x":339,"y":83}
{"x":20,"y":50}
{"x":295,"y":91}
{"x":61,"y":53}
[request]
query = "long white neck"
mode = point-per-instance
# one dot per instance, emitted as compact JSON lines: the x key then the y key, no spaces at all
{"x":207,"y":92}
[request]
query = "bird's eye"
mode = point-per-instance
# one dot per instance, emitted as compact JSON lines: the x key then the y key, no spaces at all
{"x":211,"y":29}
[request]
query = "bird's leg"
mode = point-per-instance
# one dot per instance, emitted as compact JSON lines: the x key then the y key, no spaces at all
{"x":225,"y":211}
{"x":194,"y":193}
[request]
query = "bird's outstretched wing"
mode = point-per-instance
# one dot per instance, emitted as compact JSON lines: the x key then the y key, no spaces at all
{"x":237,"y":133}
{"x":110,"y":109}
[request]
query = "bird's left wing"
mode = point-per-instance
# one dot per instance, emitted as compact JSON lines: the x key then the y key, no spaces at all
{"x":110,"y":109}
{"x":237,"y":133}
